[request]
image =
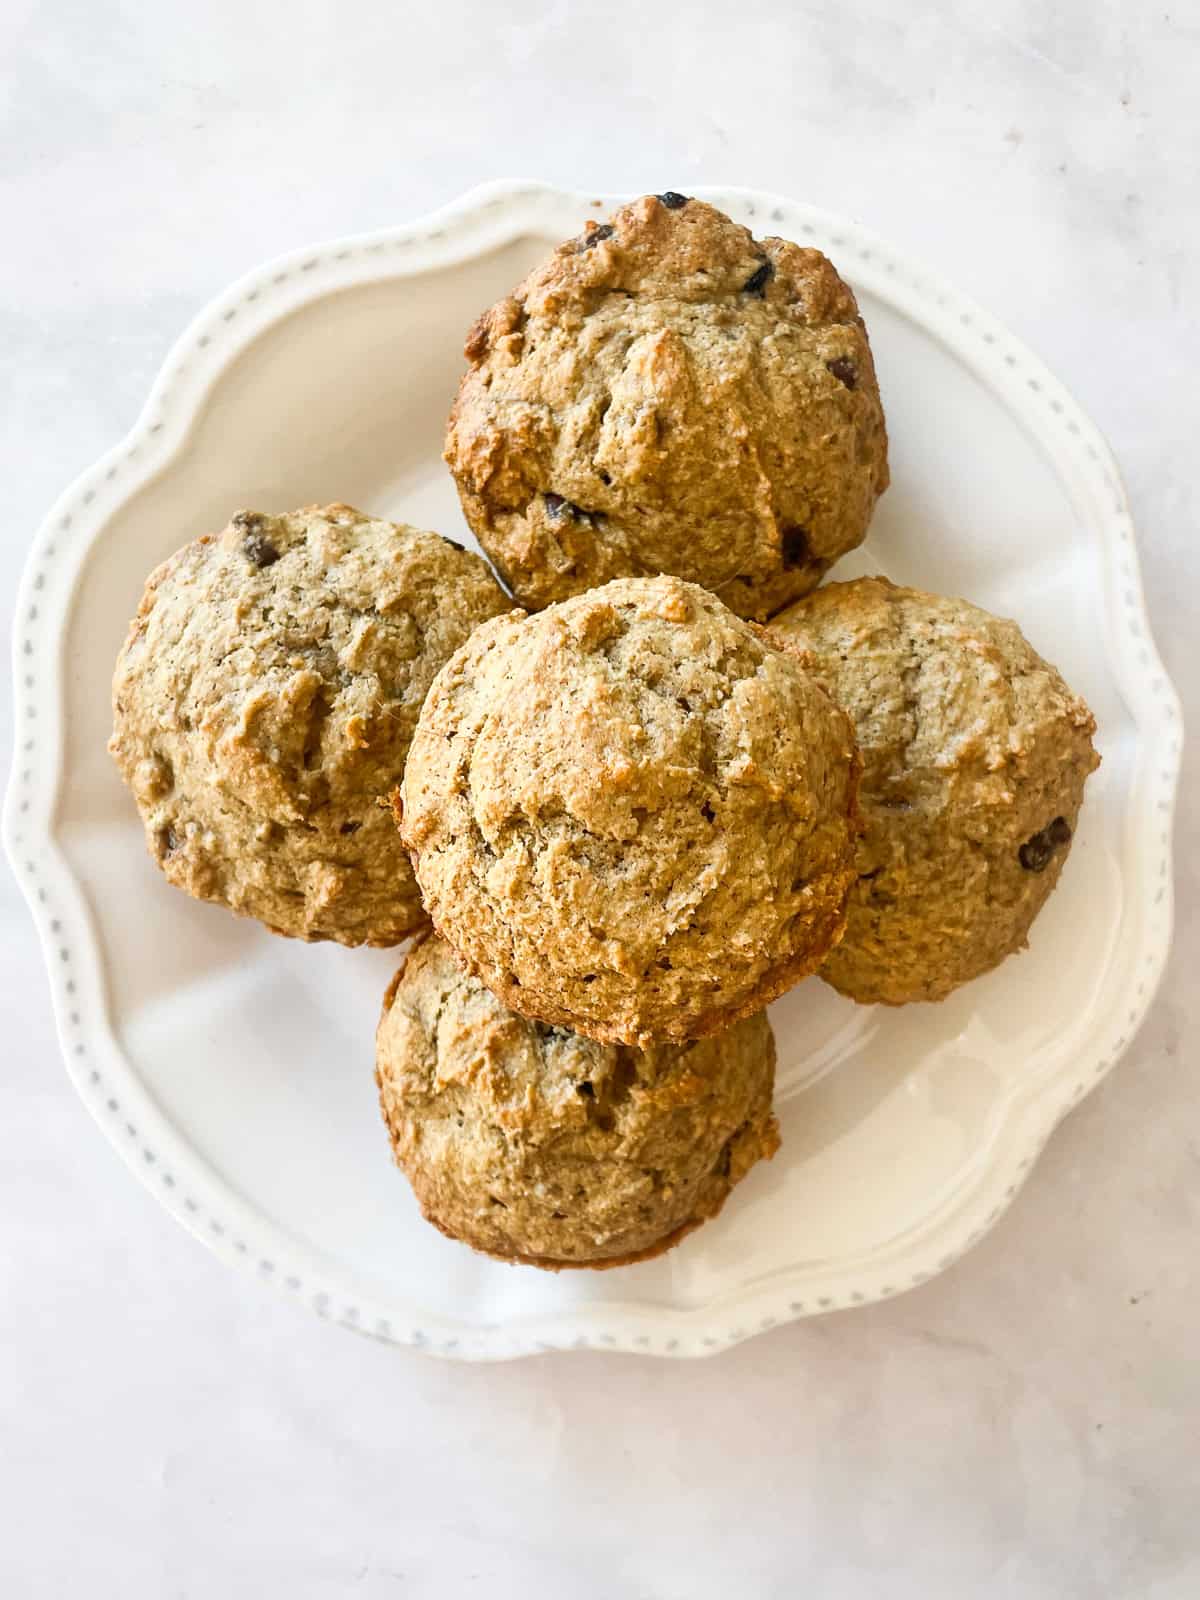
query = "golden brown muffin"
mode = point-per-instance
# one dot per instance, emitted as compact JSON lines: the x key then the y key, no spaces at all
{"x":263,"y":703}
{"x":668,"y":394}
{"x":975,"y":755}
{"x":631,"y":816}
{"x":536,"y":1145}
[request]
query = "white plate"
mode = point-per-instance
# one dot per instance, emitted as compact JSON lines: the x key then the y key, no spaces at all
{"x":233,"y":1070}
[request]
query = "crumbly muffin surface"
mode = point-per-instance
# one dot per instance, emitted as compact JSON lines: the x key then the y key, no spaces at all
{"x":668,"y":394}
{"x":975,"y":757}
{"x":264,"y":701}
{"x":630,"y":815}
{"x":533,"y":1144}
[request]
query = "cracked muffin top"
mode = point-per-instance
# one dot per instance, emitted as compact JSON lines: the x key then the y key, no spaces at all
{"x":630,"y":815}
{"x":975,"y":756}
{"x":533,"y":1144}
{"x":667,"y":393}
{"x":264,"y":701}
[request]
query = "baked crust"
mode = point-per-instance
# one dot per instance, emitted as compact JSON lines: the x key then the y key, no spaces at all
{"x":976,"y":754}
{"x":631,"y":815}
{"x":263,"y":704}
{"x":535,"y":1145}
{"x":666,"y":393}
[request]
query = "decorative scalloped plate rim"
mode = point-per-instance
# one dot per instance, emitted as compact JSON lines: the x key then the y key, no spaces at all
{"x":152,"y":1147}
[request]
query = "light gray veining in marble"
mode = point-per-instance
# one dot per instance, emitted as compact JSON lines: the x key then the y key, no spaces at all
{"x":1025,"y":1426}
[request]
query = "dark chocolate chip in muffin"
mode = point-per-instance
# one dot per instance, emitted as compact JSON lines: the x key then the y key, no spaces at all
{"x":1037,"y":852}
{"x":844,"y":371}
{"x":557,"y":509}
{"x":259,"y":551}
{"x":757,"y":282}
{"x":673,"y":201}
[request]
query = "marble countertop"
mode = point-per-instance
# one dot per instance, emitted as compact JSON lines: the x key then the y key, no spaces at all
{"x":1023,"y":1427}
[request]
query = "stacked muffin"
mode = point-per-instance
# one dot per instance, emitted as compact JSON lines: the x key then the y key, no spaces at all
{"x":618,"y":821}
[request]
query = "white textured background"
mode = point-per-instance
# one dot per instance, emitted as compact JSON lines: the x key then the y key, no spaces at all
{"x":1028,"y":1425}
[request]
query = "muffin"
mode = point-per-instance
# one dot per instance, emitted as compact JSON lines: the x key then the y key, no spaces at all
{"x":667,"y":393}
{"x":264,"y":701}
{"x":533,"y":1144}
{"x":630,"y":815}
{"x":975,"y":756}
